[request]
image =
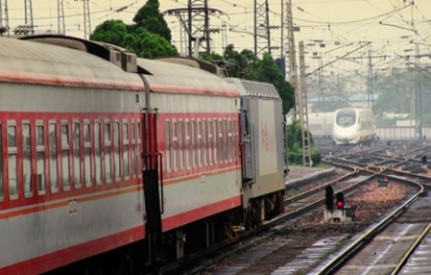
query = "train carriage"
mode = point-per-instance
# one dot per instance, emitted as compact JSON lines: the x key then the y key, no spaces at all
{"x":145,"y":159}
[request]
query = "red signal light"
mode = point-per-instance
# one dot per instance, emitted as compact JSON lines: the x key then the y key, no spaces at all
{"x":339,"y":200}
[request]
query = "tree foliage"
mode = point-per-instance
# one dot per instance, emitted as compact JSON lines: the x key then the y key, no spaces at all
{"x":149,"y":37}
{"x":246,"y":64}
{"x":150,"y":18}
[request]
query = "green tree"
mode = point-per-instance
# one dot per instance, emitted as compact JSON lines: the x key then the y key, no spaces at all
{"x":150,"y":18}
{"x":149,"y":37}
{"x":246,"y":64}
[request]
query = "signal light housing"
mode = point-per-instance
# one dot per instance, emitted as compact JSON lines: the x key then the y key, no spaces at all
{"x":329,"y":197}
{"x":339,"y":200}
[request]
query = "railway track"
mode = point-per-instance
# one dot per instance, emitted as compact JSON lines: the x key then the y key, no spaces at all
{"x":292,"y":247}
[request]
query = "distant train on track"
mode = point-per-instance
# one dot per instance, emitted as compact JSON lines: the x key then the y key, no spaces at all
{"x":142,"y":161}
{"x":353,"y":126}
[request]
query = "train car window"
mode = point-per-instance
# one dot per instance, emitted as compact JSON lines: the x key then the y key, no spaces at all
{"x":117,"y":150}
{"x":98,"y":152}
{"x":180,"y":145}
{"x":138,"y":148}
{"x":204,"y":142}
{"x":126,"y":149}
{"x":1,"y":165}
{"x":187,"y":145}
{"x":107,"y":151}
{"x":199,"y":143}
{"x":87,"y":153}
{"x":236,"y":140}
{"x":65,"y":148}
{"x":215,"y":140}
{"x":174,"y":146}
{"x":193,"y":141}
{"x":40,"y":158}
{"x":210,"y":141}
{"x":26,"y":159}
{"x":12,"y":161}
{"x":220,"y":141}
{"x":168,"y":145}
{"x":77,"y":154}
{"x":228,"y":141}
{"x":133,"y":150}
{"x":52,"y":143}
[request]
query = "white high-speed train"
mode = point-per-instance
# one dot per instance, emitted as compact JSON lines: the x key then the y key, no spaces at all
{"x":353,"y":126}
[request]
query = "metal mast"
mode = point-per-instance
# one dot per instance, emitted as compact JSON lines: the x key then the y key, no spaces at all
{"x":60,"y":13}
{"x":29,"y":16}
{"x":4,"y":27}
{"x":262,"y":34}
{"x":87,"y":22}
{"x":291,"y":52}
{"x":4,"y":18}
{"x":195,"y":20}
{"x":302,"y":109}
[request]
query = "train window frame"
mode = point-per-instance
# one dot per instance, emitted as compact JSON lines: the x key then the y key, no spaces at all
{"x":225,"y":141}
{"x":116,"y":131}
{"x":26,"y":158}
{"x":229,"y":138}
{"x":53,"y":155}
{"x":174,"y":140}
{"x":76,"y":154}
{"x":215,"y":140}
{"x":204,"y":143}
{"x":40,"y":138}
{"x":98,"y":152}
{"x":199,"y":142}
{"x":107,"y":144}
{"x":1,"y":165}
{"x":193,"y":143}
{"x":187,"y":133}
{"x":88,"y":156}
{"x":180,"y":145}
{"x":65,"y":139}
{"x":168,"y":157}
{"x":210,"y":142}
{"x":132,"y":149}
{"x":126,"y":145}
{"x":139,"y":147}
{"x":12,"y":150}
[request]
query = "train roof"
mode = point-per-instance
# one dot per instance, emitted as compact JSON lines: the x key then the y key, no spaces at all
{"x":254,"y":88}
{"x":173,"y":77}
{"x":37,"y":62}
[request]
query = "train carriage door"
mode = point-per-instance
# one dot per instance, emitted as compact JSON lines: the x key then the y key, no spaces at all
{"x":247,"y":127}
{"x":153,"y":183}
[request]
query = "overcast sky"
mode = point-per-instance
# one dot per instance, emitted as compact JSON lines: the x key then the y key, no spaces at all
{"x":393,"y":26}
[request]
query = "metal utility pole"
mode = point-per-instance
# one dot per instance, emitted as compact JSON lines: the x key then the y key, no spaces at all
{"x":291,"y":52}
{"x":195,"y":20}
{"x":28,"y":8}
{"x":60,"y":13}
{"x":417,"y":95}
{"x":87,"y":21}
{"x":262,"y":34}
{"x":302,"y":108}
{"x":370,"y":93}
{"x":4,"y":17}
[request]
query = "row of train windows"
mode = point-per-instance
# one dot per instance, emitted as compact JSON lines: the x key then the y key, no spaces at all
{"x":73,"y":153}
{"x":200,"y":143}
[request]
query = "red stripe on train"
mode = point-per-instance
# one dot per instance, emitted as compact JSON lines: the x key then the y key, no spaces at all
{"x":85,"y":250}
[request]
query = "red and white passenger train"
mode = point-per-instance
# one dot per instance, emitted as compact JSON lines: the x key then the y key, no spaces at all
{"x":152,"y":160}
